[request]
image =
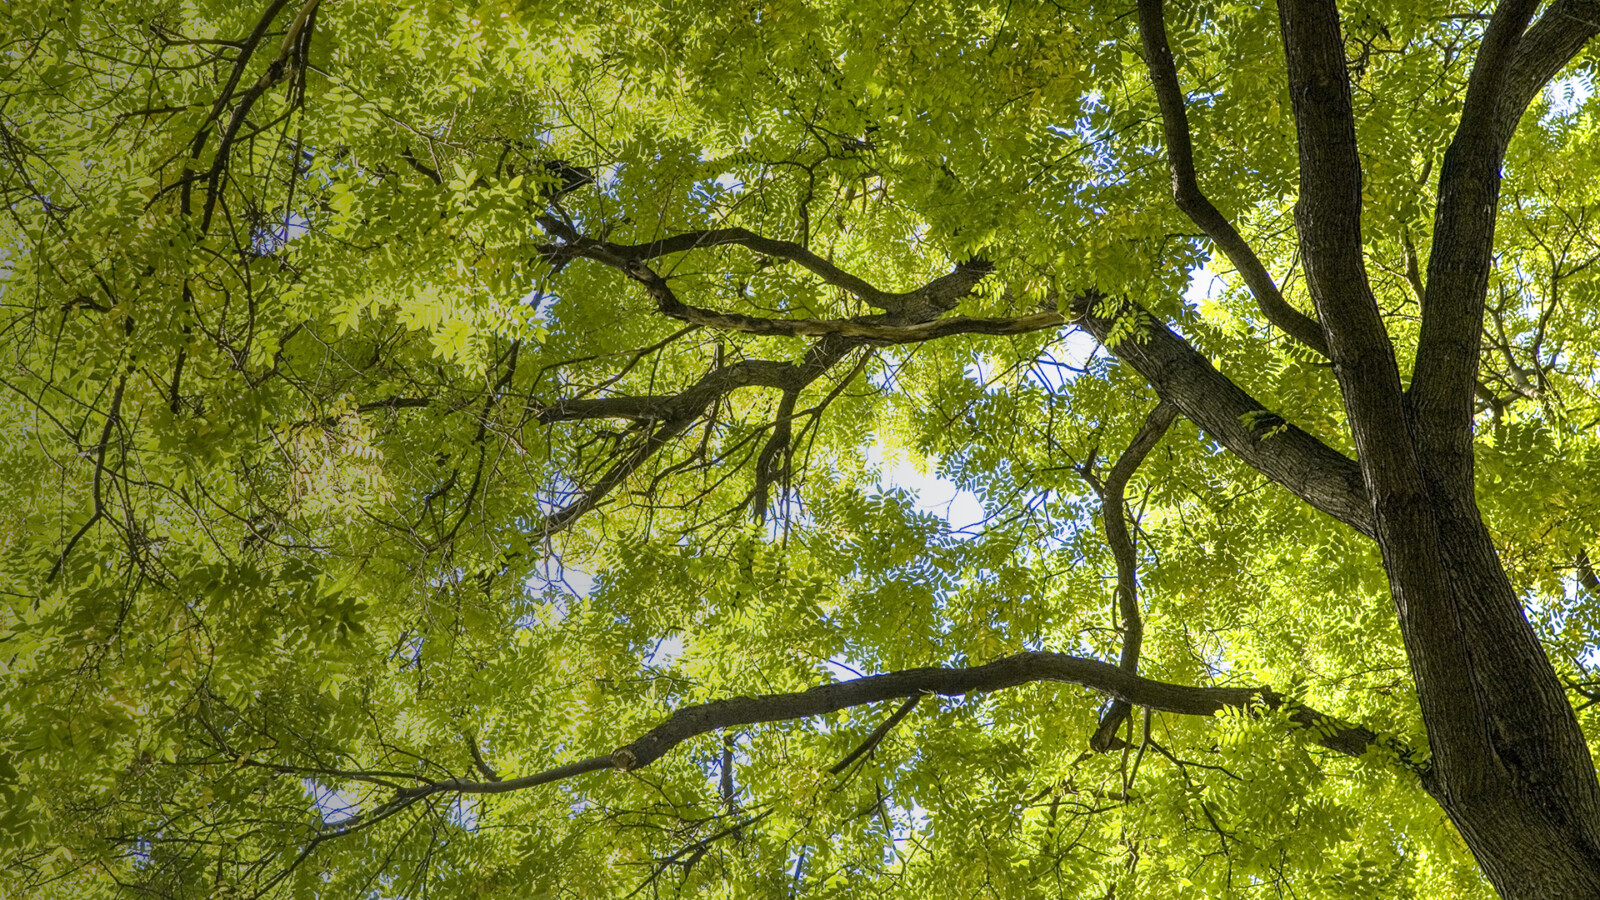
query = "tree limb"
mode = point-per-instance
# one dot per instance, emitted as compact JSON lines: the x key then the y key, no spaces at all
{"x":1308,"y":468}
{"x":1388,"y":442}
{"x":1011,"y":671}
{"x":873,"y":329}
{"x":1328,"y":213}
{"x":939,"y":294}
{"x":1194,"y":203}
{"x":912,"y":316}
{"x":1112,"y":504}
{"x":677,"y":413}
{"x":1508,"y":72}
{"x":1545,"y":49}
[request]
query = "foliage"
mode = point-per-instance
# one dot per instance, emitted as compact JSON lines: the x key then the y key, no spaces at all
{"x":311,"y":497}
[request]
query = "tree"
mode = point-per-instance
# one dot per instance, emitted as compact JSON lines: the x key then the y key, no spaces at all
{"x":445,"y":449}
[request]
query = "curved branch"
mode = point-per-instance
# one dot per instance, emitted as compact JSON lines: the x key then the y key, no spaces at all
{"x":1545,"y":49}
{"x":1194,"y":203}
{"x":1009,"y":672}
{"x":1311,"y":470}
{"x":912,"y":317}
{"x":1113,"y":506}
{"x":617,"y":256}
{"x":862,"y":329}
{"x":938,"y":295}
{"x":677,"y":413}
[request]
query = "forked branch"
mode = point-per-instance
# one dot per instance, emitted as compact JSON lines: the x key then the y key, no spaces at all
{"x":910,"y":317}
{"x":1311,"y":470}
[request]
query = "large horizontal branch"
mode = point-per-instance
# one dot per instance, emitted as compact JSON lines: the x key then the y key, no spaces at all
{"x":1009,"y":672}
{"x":938,"y":295}
{"x":1311,"y":470}
{"x":1194,"y":203}
{"x":870,"y":331}
{"x":642,"y":408}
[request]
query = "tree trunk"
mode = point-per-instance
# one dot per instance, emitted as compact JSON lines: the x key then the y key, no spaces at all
{"x":1529,"y":809}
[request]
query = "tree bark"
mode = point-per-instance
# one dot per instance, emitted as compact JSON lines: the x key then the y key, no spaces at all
{"x":1511,"y":766}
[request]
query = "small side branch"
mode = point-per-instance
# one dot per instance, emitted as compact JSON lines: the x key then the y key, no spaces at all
{"x":1113,"y":505}
{"x":877,"y":735}
{"x":113,"y":418}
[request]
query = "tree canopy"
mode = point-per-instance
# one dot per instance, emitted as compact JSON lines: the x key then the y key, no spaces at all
{"x":451,"y":449}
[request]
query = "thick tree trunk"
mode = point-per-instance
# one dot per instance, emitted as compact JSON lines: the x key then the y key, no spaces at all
{"x":1511,"y":766}
{"x":1529,"y":809}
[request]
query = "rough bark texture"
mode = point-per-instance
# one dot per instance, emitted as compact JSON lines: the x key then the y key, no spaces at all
{"x":1311,"y":470}
{"x":1511,"y":766}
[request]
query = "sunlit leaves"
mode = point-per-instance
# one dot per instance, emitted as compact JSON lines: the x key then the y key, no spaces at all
{"x":311,"y":544}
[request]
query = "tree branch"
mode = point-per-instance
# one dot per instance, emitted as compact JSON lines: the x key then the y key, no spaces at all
{"x":678,"y":412}
{"x":1186,"y":188}
{"x":873,"y":329}
{"x":939,"y":294}
{"x":1308,"y":468}
{"x":912,"y":316}
{"x":877,"y":735}
{"x":1545,"y":49}
{"x":1008,"y":672}
{"x":1112,"y":505}
{"x":1508,"y":72}
{"x":1328,"y":213}
{"x":1405,"y":511}
{"x":642,"y":409}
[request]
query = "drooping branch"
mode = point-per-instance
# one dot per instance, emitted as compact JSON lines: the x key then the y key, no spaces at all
{"x":1308,"y":468}
{"x":1194,"y":203}
{"x":1009,"y":672}
{"x":1112,"y":491}
{"x":677,"y":413}
{"x":911,"y":316}
{"x":774,"y":465}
